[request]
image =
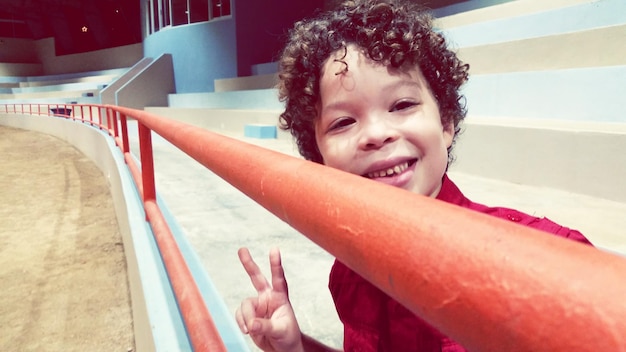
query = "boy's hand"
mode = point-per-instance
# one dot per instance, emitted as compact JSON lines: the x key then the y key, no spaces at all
{"x":269,"y":317}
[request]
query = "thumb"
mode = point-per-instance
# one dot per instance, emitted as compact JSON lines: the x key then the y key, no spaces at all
{"x":264,"y":327}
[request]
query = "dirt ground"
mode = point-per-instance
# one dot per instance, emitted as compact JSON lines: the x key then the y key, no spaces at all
{"x":62,"y":264}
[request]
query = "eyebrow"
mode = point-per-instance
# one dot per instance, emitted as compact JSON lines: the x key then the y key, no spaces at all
{"x":337,"y":106}
{"x":410,"y":83}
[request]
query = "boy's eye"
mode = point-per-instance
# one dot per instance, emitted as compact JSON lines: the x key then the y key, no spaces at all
{"x":340,"y":123}
{"x":402,"y":105}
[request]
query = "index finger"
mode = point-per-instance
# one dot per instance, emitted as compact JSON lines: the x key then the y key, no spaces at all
{"x":259,"y":281}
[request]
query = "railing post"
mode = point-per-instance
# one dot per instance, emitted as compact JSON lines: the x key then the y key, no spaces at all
{"x":125,"y":147}
{"x":100,"y":109}
{"x":115,"y":126}
{"x":147,"y":162}
{"x":128,"y":158}
{"x":109,"y":115}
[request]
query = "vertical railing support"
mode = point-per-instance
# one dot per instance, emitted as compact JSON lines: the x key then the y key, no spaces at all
{"x":147,"y":162}
{"x":128,"y":158}
{"x":114,"y":122}
{"x":99,"y":110}
{"x":123,"y":121}
{"x":109,"y":114}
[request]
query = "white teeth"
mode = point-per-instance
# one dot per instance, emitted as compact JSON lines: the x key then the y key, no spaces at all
{"x":390,"y":171}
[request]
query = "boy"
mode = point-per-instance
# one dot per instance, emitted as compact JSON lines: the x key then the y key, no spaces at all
{"x":373,"y":90}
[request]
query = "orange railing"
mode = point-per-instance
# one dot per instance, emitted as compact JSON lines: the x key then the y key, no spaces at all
{"x":490,"y":284}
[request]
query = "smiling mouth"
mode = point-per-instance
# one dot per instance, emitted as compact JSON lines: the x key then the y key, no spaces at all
{"x":392,"y":171}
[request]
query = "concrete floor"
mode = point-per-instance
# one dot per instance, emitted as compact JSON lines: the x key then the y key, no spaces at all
{"x":218,"y":220}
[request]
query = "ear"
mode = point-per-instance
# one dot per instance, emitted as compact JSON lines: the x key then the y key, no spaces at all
{"x":448,"y":133}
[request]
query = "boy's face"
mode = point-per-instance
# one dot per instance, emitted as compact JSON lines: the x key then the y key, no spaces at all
{"x":381,"y":123}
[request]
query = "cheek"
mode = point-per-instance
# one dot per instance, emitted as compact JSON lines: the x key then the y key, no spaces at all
{"x":432,"y":144}
{"x":336,"y":153}
{"x":321,"y":146}
{"x":330,"y":153}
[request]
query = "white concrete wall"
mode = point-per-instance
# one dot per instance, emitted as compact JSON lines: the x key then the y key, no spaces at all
{"x":150,"y":87}
{"x":580,"y":157}
{"x":117,"y":57}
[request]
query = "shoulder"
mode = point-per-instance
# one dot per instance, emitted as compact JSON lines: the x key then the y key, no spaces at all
{"x":452,"y":194}
{"x":543,"y":224}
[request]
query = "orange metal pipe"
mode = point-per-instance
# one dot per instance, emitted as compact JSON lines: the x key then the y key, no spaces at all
{"x":203,"y":334}
{"x":113,"y":127}
{"x":100,"y":124}
{"x":118,"y":142}
{"x":147,"y":163}
{"x":126,"y":145}
{"x":114,"y":122}
{"x":490,"y":284}
{"x":201,"y":329}
{"x":109,"y":116}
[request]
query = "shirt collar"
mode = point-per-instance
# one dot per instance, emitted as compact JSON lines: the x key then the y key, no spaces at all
{"x":450,"y":193}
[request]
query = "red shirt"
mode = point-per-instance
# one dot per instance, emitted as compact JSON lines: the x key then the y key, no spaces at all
{"x":374,"y":321}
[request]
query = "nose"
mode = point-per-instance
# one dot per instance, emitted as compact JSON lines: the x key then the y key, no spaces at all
{"x":376,"y":132}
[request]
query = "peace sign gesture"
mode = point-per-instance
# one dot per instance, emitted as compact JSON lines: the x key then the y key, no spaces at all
{"x":269,"y":317}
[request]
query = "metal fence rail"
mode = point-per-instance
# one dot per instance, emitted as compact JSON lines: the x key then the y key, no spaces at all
{"x":490,"y":284}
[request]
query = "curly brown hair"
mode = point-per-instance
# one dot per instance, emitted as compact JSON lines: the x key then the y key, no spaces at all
{"x":393,"y":32}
